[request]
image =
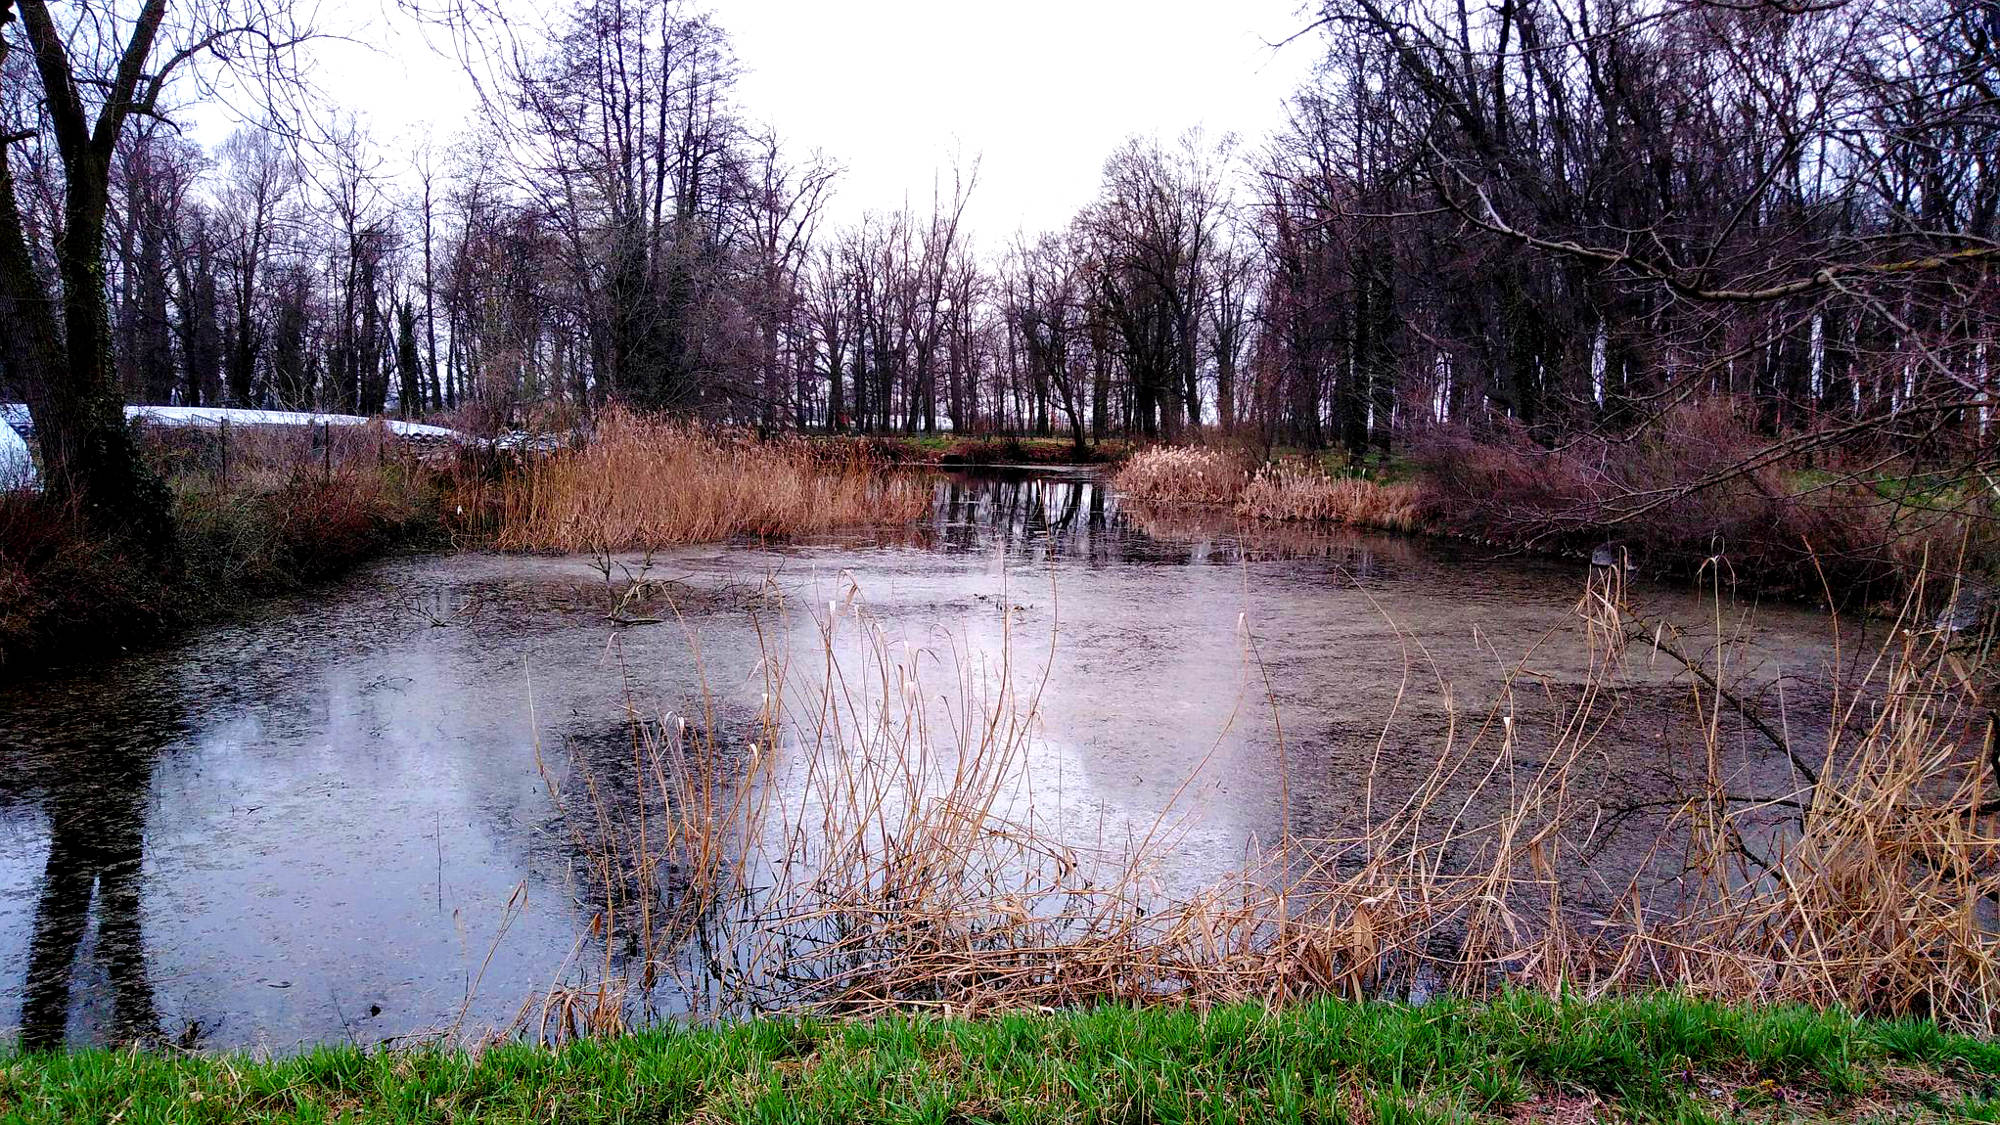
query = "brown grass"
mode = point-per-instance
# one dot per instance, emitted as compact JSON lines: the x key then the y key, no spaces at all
{"x":256,"y":510}
{"x":1185,"y":474}
{"x":868,"y":841}
{"x":640,"y":484}
{"x":1283,"y":491}
{"x":1295,"y":492}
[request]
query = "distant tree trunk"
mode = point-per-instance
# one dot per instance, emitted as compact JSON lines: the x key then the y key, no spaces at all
{"x":198,"y":324}
{"x":409,"y":367}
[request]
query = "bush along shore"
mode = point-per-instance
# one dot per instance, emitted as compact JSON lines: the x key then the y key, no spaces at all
{"x":1518,"y":1057}
{"x":1697,"y":491}
{"x":256,"y":512}
{"x":262,"y":510}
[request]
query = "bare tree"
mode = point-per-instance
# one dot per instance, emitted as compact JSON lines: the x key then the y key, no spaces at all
{"x":259,"y":179}
{"x":1154,"y":229}
{"x":96,"y":68}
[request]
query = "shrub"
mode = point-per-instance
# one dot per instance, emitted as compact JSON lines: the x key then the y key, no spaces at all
{"x":61,"y":592}
{"x":1182,"y":474}
{"x":640,"y":484}
{"x":1679,"y":494}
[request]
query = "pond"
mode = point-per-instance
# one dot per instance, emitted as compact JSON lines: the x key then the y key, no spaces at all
{"x":332,"y":821}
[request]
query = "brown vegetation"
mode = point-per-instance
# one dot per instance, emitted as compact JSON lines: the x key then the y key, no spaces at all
{"x":1183,"y":474}
{"x":1298,"y":492}
{"x":1287,"y":490}
{"x":869,"y":842}
{"x":256,"y":511}
{"x":1689,"y":489}
{"x":1684,"y":493}
{"x":640,"y":484}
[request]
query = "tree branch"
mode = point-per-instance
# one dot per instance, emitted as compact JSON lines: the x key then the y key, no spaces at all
{"x":1488,"y":218}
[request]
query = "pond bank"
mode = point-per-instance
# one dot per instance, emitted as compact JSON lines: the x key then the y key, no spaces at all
{"x":1518,"y":1057}
{"x":1856,"y":539}
{"x":68,"y":597}
{"x":265,"y":510}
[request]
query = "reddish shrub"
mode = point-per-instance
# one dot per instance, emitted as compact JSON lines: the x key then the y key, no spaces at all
{"x":63,"y":594}
{"x":1678,"y":493}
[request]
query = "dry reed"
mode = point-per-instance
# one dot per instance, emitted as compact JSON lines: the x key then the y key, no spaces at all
{"x":1287,"y":491}
{"x":871,"y":842}
{"x":1292,"y":491}
{"x":1182,"y":473}
{"x":640,"y":484}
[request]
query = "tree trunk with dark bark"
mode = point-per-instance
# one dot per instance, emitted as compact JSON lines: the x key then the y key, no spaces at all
{"x":64,"y":365}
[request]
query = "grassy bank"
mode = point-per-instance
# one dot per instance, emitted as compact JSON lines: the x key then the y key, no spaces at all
{"x":1520,"y":1057}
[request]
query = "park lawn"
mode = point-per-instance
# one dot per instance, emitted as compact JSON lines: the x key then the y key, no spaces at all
{"x":1519,"y":1057}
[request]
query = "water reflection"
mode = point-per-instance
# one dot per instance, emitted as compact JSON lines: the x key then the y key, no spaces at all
{"x":90,"y":777}
{"x":332,"y":822}
{"x":1026,"y":514}
{"x":97,"y":815}
{"x":1075,"y":516}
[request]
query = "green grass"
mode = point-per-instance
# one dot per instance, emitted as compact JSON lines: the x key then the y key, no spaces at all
{"x":1953,"y":490}
{"x":1382,"y":468}
{"x":1520,"y":1057}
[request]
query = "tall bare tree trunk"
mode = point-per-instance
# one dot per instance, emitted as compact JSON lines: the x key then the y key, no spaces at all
{"x":65,"y":369}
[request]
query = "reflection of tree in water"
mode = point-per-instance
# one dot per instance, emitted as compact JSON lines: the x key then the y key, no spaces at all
{"x":1077,"y":516}
{"x":97,"y":821}
{"x":85,"y":752}
{"x":1217,"y":535}
{"x":1030,"y":514}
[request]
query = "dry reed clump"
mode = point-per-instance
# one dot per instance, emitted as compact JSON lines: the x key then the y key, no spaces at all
{"x":640,"y":484}
{"x":1879,"y":894}
{"x":1182,"y":474}
{"x":1290,"y":491}
{"x":1286,"y":491}
{"x":871,"y":842}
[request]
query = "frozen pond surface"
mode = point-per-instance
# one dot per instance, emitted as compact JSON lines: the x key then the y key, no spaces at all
{"x":328,"y":823}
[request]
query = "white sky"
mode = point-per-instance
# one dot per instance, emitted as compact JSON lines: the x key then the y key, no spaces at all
{"x":1039,"y":91}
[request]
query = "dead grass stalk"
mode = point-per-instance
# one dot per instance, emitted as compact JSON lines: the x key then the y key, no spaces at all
{"x":871,"y":840}
{"x":642,"y":484}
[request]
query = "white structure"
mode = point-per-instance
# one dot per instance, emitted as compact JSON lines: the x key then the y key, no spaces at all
{"x":17,"y":468}
{"x":211,"y":417}
{"x":16,"y":426}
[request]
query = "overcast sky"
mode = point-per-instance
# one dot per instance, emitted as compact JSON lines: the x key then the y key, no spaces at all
{"x":1038,"y":91}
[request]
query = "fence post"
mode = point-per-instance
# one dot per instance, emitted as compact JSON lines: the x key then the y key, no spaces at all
{"x":326,"y":448}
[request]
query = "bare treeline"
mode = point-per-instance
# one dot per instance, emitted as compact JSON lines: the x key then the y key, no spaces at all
{"x":1581,"y":212}
{"x":1540,"y":215}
